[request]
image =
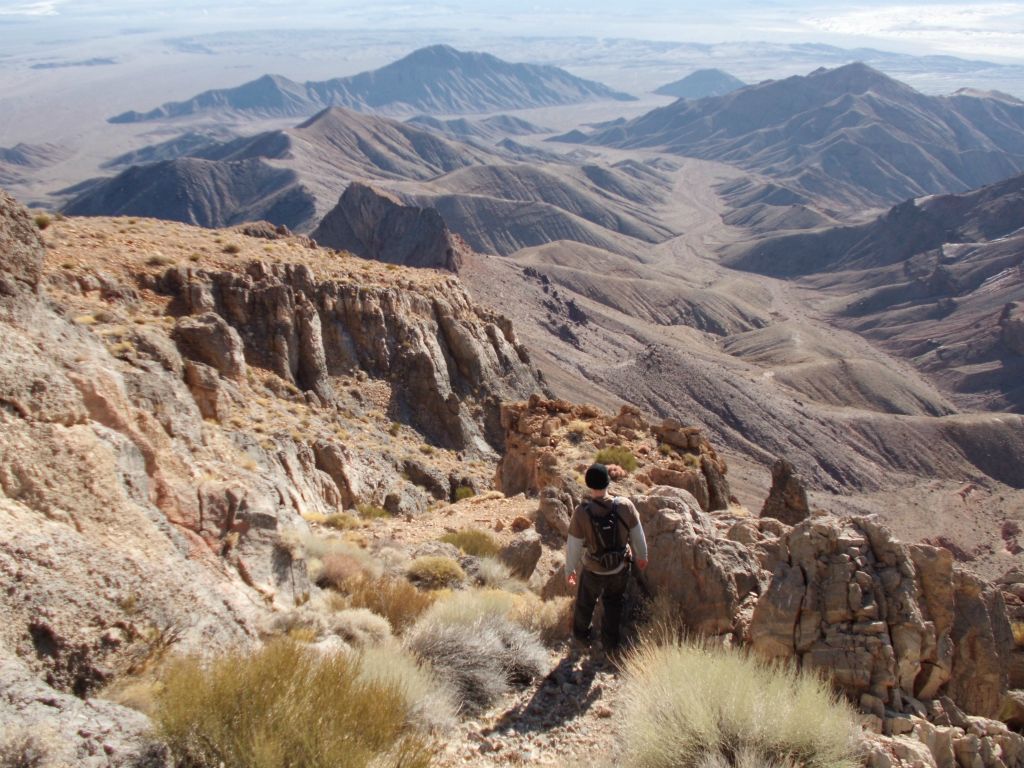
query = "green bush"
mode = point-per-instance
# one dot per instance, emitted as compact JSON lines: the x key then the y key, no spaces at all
{"x":473,"y":542}
{"x":42,"y":221}
{"x":695,"y":705}
{"x":435,"y":571}
{"x":284,"y":706}
{"x":464,"y":492}
{"x":617,"y":455}
{"x":369,"y":511}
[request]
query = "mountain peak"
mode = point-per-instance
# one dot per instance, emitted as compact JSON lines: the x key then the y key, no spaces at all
{"x":855,"y":77}
{"x":702,"y":83}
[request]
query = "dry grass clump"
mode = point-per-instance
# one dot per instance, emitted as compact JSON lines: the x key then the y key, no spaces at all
{"x":284,"y":706}
{"x":337,"y":568}
{"x":550,"y":619}
{"x":435,"y":571}
{"x":619,"y":455}
{"x":494,"y":574}
{"x":694,"y":705}
{"x":473,"y":541}
{"x":1018,"y":633}
{"x":42,"y":221}
{"x":396,"y":600}
{"x":431,"y":704}
{"x":361,"y":627}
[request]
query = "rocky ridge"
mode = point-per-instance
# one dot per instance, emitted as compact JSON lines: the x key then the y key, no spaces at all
{"x":167,"y":430}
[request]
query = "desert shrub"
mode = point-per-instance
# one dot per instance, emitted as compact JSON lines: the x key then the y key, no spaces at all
{"x":21,"y":748}
{"x":619,"y":455}
{"x":370,"y":511}
{"x":435,"y":571}
{"x":691,"y":460}
{"x":394,"y":429}
{"x":693,"y":704}
{"x":340,"y":521}
{"x":430,"y":703}
{"x":159,"y":260}
{"x":345,"y":558}
{"x":550,"y":619}
{"x":496,"y":575}
{"x":472,"y":541}
{"x":396,"y":600}
{"x":286,"y":705}
{"x":231,"y":248}
{"x":360,"y":627}
{"x":464,"y":492}
{"x":665,"y":449}
{"x":471,"y":605}
{"x":1018,"y":633}
{"x":42,"y":221}
{"x":479,"y":657}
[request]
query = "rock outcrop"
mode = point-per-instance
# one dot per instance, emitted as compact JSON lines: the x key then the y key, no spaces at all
{"x":787,"y":499}
{"x":1011,"y":323}
{"x":450,"y":363}
{"x":375,"y":225}
{"x":549,"y":442}
{"x":166,"y":433}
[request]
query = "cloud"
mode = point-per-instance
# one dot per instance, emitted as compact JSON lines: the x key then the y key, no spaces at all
{"x":29,"y":9}
{"x":993,"y":29}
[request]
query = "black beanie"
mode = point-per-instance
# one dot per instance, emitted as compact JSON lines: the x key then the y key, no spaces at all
{"x":597,"y":477}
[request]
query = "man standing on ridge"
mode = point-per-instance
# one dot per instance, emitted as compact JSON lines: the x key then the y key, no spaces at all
{"x":598,"y":535}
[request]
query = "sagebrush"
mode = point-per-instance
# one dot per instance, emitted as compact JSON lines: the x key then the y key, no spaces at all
{"x":472,"y":643}
{"x":284,"y":706}
{"x":693,"y":704}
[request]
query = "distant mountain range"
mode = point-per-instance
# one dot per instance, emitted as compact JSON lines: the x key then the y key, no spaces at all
{"x":500,"y":198}
{"x":701,"y":84}
{"x":849,"y":136}
{"x":433,"y":80}
{"x":937,"y":280}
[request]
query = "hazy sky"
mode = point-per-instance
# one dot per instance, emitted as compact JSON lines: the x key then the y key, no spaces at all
{"x":981,"y":29}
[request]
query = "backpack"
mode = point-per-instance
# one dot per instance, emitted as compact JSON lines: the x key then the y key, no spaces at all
{"x":612,"y":549}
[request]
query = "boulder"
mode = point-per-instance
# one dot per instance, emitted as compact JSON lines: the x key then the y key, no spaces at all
{"x":210,"y":340}
{"x":705,"y":574}
{"x":690,"y":480}
{"x":787,"y":499}
{"x":522,"y":553}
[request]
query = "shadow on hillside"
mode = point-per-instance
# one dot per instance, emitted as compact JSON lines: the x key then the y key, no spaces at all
{"x":564,"y":694}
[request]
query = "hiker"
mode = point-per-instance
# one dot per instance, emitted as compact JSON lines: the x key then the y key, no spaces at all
{"x":598,"y":534}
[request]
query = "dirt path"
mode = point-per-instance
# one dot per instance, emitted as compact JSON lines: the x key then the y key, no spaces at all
{"x":564,"y":719}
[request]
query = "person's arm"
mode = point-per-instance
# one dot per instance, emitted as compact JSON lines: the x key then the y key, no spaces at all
{"x":637,"y":539}
{"x":639,"y":543}
{"x":573,"y":554}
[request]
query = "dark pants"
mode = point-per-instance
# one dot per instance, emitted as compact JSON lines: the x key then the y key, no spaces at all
{"x":610,"y":589}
